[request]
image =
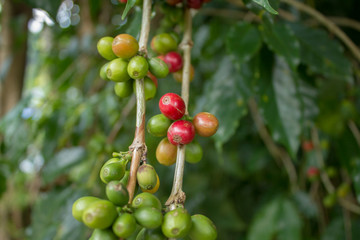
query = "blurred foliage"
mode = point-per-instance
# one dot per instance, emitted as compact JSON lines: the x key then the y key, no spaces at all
{"x":55,"y":140}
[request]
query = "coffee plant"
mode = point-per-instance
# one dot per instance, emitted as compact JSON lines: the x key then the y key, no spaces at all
{"x":180,"y":119}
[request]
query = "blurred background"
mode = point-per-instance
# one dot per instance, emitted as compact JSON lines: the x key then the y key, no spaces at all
{"x":285,"y":163}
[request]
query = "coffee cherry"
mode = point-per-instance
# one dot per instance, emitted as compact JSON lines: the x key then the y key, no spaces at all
{"x":193,"y":152}
{"x":181,"y":132}
{"x":158,"y":125}
{"x":172,"y":106}
{"x":196,"y":4}
{"x":104,"y":47}
{"x":112,"y":171}
{"x":163,"y":43}
{"x":202,"y":228}
{"x":124,"y":89}
{"x":103,"y":71}
{"x":205,"y":124}
{"x":138,"y":67}
{"x":174,"y":61}
{"x":177,"y":223}
{"x":166,"y":152}
{"x":158,"y":67}
{"x":173,"y":2}
{"x":100,"y":214}
{"x":124,"y":226}
{"x":151,"y":234}
{"x":312,"y":173}
{"x":103,"y":234}
{"x":178,"y":76}
{"x":307,"y":146}
{"x":146,"y":200}
{"x":80,"y":205}
{"x":117,"y":70}
{"x":117,"y":193}
{"x":125,"y":178}
{"x":330,"y":200}
{"x":112,"y":160}
{"x":154,"y":190}
{"x":343,"y":190}
{"x":146,"y":176}
{"x":148,"y":217}
{"x":149,"y":88}
{"x":123,"y":1}
{"x":125,"y":46}
{"x":153,"y":78}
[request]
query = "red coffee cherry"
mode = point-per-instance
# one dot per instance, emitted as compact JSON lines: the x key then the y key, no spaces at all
{"x":206,"y":124}
{"x":181,"y":132}
{"x":307,"y":146}
{"x":172,"y":106}
{"x":174,"y":61}
{"x":312,"y":172}
{"x":196,"y":4}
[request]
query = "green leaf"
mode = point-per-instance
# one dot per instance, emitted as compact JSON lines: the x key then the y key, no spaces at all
{"x":62,"y":162}
{"x":223,"y":90}
{"x":281,"y":107}
{"x":305,"y":204}
{"x":322,"y":54}
{"x":265,"y":4}
{"x":243,"y":41}
{"x":277,"y":220}
{"x":335,"y":230}
{"x":281,"y":39}
{"x":129,"y":5}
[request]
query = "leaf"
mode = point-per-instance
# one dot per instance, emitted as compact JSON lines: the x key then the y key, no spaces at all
{"x":61,"y":162}
{"x":305,"y":204}
{"x":281,"y":107}
{"x":224,"y":99}
{"x":129,"y":5}
{"x":243,"y":41}
{"x":265,"y":4}
{"x":281,"y":39}
{"x":335,"y":230}
{"x":277,"y":220}
{"x":322,"y":54}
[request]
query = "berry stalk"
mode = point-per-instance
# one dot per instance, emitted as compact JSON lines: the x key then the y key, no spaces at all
{"x":177,"y":196}
{"x":138,"y":147}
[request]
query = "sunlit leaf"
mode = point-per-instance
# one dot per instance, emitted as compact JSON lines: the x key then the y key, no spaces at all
{"x":129,"y":5}
{"x":265,"y":4}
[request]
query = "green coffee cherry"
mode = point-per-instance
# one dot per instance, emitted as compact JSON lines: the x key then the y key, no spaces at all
{"x":193,"y":152}
{"x":202,"y":228}
{"x":124,"y":226}
{"x":177,"y":223}
{"x":117,"y":70}
{"x":100,"y":214}
{"x":106,"y":234}
{"x":158,"y":125}
{"x":149,"y":88}
{"x":138,"y":67}
{"x":112,"y":171}
{"x":117,"y":193}
{"x":103,"y":71}
{"x":158,"y":67}
{"x":146,"y":200}
{"x":163,"y":43}
{"x":124,"y":89}
{"x":104,"y":47}
{"x":148,"y":217}
{"x":146,"y":176}
{"x":80,"y":205}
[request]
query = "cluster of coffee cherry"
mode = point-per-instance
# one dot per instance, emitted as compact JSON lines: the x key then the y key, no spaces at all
{"x":181,"y":131}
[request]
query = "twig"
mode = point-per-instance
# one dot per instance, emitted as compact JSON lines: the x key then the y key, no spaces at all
{"x":328,"y":24}
{"x":123,"y":115}
{"x":355,"y":131}
{"x":177,"y":196}
{"x":325,"y":178}
{"x":280,"y":156}
{"x":138,"y":147}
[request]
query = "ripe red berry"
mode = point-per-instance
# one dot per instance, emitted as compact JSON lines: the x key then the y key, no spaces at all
{"x":172,"y":106}
{"x":173,"y":2}
{"x":206,"y":124}
{"x":196,"y":4}
{"x":174,"y":61}
{"x":123,"y":1}
{"x":312,"y":172}
{"x":181,"y":132}
{"x":307,"y":146}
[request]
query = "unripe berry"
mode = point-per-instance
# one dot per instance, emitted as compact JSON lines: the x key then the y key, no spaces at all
{"x":206,"y":124}
{"x":125,"y":46}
